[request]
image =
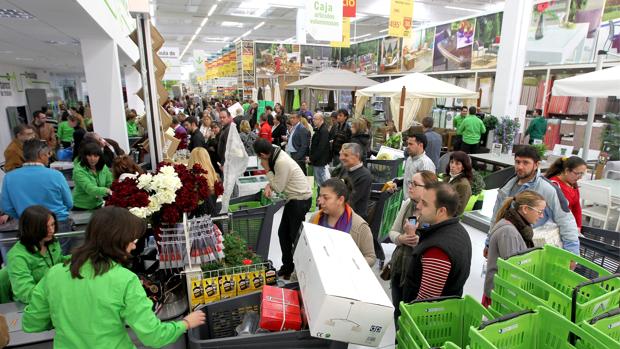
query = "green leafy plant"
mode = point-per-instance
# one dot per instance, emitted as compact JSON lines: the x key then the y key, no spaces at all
{"x":394,"y":141}
{"x":490,"y":122}
{"x":236,"y":251}
{"x":477,"y":183}
{"x":506,"y":131}
{"x":541,"y":149}
{"x":611,"y":137}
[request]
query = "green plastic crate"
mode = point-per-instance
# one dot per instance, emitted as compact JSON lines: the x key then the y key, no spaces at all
{"x":433,"y":323}
{"x":545,"y":273}
{"x":507,"y":298}
{"x":540,"y":329}
{"x":244,"y":206}
{"x":606,"y":328}
{"x":392,"y":206}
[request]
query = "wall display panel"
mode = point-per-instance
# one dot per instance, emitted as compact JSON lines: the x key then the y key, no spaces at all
{"x":418,"y":51}
{"x":276,"y":59}
{"x":317,"y":58}
{"x":609,"y":32}
{"x":367,"y":59}
{"x":453,"y":45}
{"x":563,"y":32}
{"x":486,"y":41}
{"x":391,"y":54}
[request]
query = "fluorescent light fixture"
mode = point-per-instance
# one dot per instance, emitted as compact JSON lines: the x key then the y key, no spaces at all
{"x":246,"y":33}
{"x":463,"y":9}
{"x":361,"y":36}
{"x":197,"y":31}
{"x":212,"y":10}
{"x":204,"y":21}
{"x":383,"y":31}
{"x":259,"y":25}
{"x":236,"y":40}
{"x":16,"y":14}
{"x":24,"y":59}
{"x":231,"y":24}
{"x":359,"y":16}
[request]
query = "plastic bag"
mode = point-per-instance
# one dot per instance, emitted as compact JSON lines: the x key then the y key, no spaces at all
{"x":235,"y":164}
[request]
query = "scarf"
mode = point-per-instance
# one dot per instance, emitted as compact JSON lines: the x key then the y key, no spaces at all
{"x":273,"y":158}
{"x":343,"y":224}
{"x":525,"y":229}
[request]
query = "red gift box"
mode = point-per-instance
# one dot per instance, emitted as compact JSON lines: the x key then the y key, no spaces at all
{"x":279,"y":310}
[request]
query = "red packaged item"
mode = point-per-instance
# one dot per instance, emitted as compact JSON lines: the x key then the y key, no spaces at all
{"x":279,"y":310}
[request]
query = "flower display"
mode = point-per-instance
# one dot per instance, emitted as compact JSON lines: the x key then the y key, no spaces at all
{"x":506,"y":130}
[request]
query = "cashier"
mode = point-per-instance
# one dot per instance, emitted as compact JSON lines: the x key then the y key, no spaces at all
{"x":35,"y":253}
{"x":90,"y":300}
{"x":335,"y":213}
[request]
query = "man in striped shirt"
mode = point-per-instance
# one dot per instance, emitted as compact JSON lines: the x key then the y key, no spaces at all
{"x":440,"y":262}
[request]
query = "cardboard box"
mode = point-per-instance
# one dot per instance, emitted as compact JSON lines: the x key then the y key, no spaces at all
{"x":280,"y":309}
{"x":342,"y":297}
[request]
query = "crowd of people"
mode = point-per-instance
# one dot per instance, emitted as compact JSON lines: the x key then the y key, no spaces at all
{"x":433,"y":249}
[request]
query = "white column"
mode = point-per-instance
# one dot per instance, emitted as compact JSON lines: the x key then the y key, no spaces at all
{"x":133,"y":82}
{"x":511,"y":57}
{"x":103,"y":77}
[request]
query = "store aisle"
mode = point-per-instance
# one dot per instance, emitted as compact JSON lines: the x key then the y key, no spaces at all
{"x":473,"y":286}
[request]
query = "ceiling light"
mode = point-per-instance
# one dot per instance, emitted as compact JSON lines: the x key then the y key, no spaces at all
{"x":212,"y":10}
{"x":246,"y":33}
{"x":463,"y":9}
{"x":204,"y":21}
{"x":232,"y":24}
{"x":383,"y":31}
{"x":361,"y":36}
{"x":16,"y":14}
{"x":197,"y":31}
{"x":259,"y":25}
{"x":24,"y":59}
{"x":6,"y":52}
{"x":236,"y":40}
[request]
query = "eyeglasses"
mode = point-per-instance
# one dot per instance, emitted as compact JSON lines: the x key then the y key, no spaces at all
{"x":412,"y":183}
{"x":578,"y":174}
{"x":540,"y":212}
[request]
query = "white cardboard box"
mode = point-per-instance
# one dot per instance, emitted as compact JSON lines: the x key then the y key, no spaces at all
{"x":342,"y":296}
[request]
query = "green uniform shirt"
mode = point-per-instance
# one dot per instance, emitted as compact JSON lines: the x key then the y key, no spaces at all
{"x":90,"y":188}
{"x":27,"y":269}
{"x":132,"y":129}
{"x":92,"y":312}
{"x":65,"y":132}
{"x":472,"y":129}
{"x":537,"y":128}
{"x":457,"y":122}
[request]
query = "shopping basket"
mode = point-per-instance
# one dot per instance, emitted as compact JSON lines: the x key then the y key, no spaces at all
{"x":545,"y":273}
{"x":528,"y":329}
{"x":507,"y":298}
{"x":606,"y":328}
{"x":434,"y":322}
{"x":601,"y":247}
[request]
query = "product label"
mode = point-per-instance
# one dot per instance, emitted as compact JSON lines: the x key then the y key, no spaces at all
{"x":227,"y":287}
{"x":211,"y":290}
{"x":243,"y":283}
{"x":196,"y":292}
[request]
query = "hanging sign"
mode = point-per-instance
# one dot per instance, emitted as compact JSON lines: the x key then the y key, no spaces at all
{"x":324,"y":19}
{"x":349,"y":8}
{"x":401,"y":18}
{"x":346,"y":34}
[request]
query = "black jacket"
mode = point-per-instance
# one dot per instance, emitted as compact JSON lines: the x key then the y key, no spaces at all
{"x":196,"y":140}
{"x":277,"y":133}
{"x":453,"y":239}
{"x":339,"y":135}
{"x":361,"y":180}
{"x":319,"y":147}
{"x":221,"y":144}
{"x":363,"y":140}
{"x":300,"y":140}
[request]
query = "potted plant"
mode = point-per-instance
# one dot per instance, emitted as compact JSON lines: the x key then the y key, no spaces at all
{"x":506,"y":132}
{"x":611,"y":137}
{"x":477,"y":192}
{"x":541,"y":149}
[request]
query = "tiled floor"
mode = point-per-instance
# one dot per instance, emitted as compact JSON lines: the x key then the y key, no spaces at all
{"x":473,"y":287}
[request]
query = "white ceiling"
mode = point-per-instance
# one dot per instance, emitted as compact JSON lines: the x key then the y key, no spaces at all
{"x":178,"y":20}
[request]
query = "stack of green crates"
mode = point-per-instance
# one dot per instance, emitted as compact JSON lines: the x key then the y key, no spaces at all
{"x":390,"y":211}
{"x":442,"y":322}
{"x":543,"y":277}
{"x":605,"y":327}
{"x":539,"y":329}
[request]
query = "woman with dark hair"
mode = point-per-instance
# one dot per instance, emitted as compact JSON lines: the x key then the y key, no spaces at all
{"x":360,"y":135}
{"x":459,"y":174}
{"x":123,"y":166}
{"x":335,"y":213}
{"x":92,"y":178}
{"x":565,"y":172}
{"x":512,"y":232}
{"x":76,"y":121}
{"x":65,"y":131}
{"x":36,"y":252}
{"x":90,"y":300}
{"x":279,"y":130}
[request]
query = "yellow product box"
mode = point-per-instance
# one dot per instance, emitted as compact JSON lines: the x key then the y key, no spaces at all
{"x":211,"y":290}
{"x":257,"y":279}
{"x":196,"y":291}
{"x":243,"y":283}
{"x":227,"y":287}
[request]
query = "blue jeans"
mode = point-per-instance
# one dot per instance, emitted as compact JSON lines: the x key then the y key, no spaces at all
{"x":320,"y":174}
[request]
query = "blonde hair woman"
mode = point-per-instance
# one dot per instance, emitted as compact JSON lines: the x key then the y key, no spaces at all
{"x":200,"y":155}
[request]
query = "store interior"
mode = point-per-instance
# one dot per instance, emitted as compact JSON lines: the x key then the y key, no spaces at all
{"x":135,"y":72}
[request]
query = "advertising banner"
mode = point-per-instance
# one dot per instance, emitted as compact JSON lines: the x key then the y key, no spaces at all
{"x":324,"y":19}
{"x":349,"y":8}
{"x":401,"y":18}
{"x":346,"y":35}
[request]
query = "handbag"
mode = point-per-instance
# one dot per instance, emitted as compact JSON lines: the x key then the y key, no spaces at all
{"x":386,"y":272}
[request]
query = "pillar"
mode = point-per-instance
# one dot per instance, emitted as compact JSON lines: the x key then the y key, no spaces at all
{"x":133,"y":83}
{"x":511,"y":58}
{"x":103,"y":77}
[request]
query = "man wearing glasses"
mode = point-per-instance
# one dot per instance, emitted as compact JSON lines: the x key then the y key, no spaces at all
{"x":36,"y":184}
{"x":528,"y":178}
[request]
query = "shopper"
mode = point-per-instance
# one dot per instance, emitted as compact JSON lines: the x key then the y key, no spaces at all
{"x":110,"y":147}
{"x":403,"y":235}
{"x":433,"y":149}
{"x":92,"y":178}
{"x":226,"y":120}
{"x":359,"y":135}
{"x":286,"y":177}
{"x":459,"y":174}
{"x":339,"y":134}
{"x":76,"y":122}
{"x":441,"y":260}
{"x":35,"y":253}
{"x":527,"y":160}
{"x":124,"y":166}
{"x":417,"y":160}
{"x":43,"y":130}
{"x":335,"y":213}
{"x":471,"y":128}
{"x":65,"y":131}
{"x":196,"y":139}
{"x":298,"y":145}
{"x":270,"y":114}
{"x":265,"y":127}
{"x":91,"y":300}
{"x":537,"y":127}
{"x":303,"y":111}
{"x":180,"y":133}
{"x":319,"y":150}
{"x":132,"y":126}
{"x":205,"y":125}
{"x":14,"y":153}
{"x":458,"y":119}
{"x":247,"y":137}
{"x":565,"y":172}
{"x":512,"y":232}
{"x":359,"y":175}
{"x":279,"y":130}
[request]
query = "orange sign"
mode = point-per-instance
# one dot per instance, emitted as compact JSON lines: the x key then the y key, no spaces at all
{"x":349,"y":8}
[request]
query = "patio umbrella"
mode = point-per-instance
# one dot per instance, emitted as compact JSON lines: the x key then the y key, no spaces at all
{"x":277,"y":96}
{"x":254,"y":94}
{"x":268,"y":93}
